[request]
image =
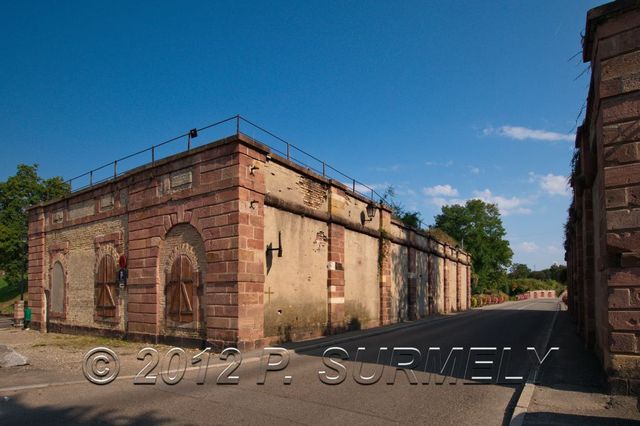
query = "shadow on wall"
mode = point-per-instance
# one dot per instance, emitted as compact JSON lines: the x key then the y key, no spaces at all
{"x":400,"y":271}
{"x":436,"y":279}
{"x":294,"y":321}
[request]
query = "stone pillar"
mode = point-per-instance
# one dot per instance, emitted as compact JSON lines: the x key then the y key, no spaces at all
{"x":251,"y":247}
{"x":335,"y":278}
{"x":384,"y":265}
{"x":612,"y":129}
{"x":36,"y":258}
{"x":445,"y":277}
{"x":458,"y":284}
{"x":468,"y":285}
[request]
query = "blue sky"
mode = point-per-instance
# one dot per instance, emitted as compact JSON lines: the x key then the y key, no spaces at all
{"x":445,"y":101}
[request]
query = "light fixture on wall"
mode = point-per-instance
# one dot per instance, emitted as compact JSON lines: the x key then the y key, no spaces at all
{"x":370,"y":213}
{"x":193,"y":133}
{"x":271,"y":248}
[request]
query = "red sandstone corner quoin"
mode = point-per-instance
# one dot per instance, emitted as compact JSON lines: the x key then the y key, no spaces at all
{"x":196,"y":228}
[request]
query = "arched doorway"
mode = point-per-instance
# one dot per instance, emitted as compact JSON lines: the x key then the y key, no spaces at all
{"x":183,"y":268}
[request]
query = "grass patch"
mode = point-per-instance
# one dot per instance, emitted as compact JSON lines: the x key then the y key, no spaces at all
{"x":8,"y":295}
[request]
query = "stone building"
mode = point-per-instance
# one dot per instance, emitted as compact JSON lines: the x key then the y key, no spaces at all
{"x":603,"y":230}
{"x":232,"y":244}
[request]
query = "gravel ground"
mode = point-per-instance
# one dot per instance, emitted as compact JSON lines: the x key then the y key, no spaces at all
{"x":58,"y":357}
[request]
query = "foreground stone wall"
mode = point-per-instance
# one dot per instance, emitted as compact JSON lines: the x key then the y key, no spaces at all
{"x":603,"y":244}
{"x":275,"y":252}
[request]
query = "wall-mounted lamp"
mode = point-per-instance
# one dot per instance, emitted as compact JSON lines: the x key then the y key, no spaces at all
{"x":270,"y":247}
{"x":193,"y":133}
{"x":371,"y":213}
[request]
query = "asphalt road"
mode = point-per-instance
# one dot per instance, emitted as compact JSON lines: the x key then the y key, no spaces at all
{"x":306,"y":400}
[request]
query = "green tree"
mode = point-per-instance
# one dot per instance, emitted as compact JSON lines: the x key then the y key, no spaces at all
{"x":412,"y":219}
{"x":478,"y":227}
{"x":17,"y":193}
{"x":519,"y":270}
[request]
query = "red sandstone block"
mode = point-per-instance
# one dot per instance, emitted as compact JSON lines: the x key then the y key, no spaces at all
{"x":625,"y":320}
{"x":620,"y":154}
{"x":142,"y":308}
{"x":224,"y":323}
{"x":623,"y":219}
{"x":622,"y":132}
{"x":225,"y":337}
{"x":616,"y":198}
{"x":250,"y":298}
{"x":618,"y":44}
{"x":633,"y":196}
{"x":250,"y":287}
{"x":220,"y":299}
{"x":223,"y":311}
{"x":619,"y":298}
{"x":628,"y":174}
{"x":142,"y":298}
{"x":142,"y":318}
{"x":135,"y":327}
{"x":221,"y":244}
{"x":253,"y":267}
{"x":628,"y":260}
{"x":218,"y":267}
{"x":255,"y":244}
{"x":621,"y":108}
{"x":624,"y":343}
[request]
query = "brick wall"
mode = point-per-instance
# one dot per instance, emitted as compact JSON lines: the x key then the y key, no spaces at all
{"x":603,"y":246}
{"x":223,"y":206}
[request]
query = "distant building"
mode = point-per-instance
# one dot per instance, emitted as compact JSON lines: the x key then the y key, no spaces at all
{"x":537,"y":294}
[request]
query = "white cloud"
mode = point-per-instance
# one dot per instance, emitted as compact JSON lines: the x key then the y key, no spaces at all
{"x":507,"y":206}
{"x":522,"y":133}
{"x":551,"y":184}
{"x":474,"y":170}
{"x":438,"y":164}
{"x":528,"y":247}
{"x":441,"y":201}
{"x":440,"y":190}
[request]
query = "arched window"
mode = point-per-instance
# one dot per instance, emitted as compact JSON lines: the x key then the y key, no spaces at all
{"x":181,"y":291}
{"x":105,"y":289}
{"x":57,"y":289}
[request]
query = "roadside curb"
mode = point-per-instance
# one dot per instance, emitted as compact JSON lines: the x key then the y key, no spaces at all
{"x":522,"y":406}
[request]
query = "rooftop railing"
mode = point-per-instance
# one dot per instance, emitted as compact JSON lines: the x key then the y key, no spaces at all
{"x":233,"y":125}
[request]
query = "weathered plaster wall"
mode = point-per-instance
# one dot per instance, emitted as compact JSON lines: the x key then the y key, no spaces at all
{"x":361,"y":276}
{"x":297,"y":307}
{"x":400,"y":280}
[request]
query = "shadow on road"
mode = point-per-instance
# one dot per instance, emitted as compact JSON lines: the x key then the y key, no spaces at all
{"x":15,"y":412}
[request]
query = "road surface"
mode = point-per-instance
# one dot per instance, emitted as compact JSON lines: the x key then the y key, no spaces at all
{"x":306,"y":400}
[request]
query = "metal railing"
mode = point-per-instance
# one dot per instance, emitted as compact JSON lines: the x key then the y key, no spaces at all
{"x":288,"y":150}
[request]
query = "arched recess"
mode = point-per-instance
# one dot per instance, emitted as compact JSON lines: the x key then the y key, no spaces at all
{"x":182,"y":263}
{"x":57,"y":292}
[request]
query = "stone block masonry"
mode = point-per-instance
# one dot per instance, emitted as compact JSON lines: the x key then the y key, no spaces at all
{"x":230,"y":244}
{"x":603,"y":243}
